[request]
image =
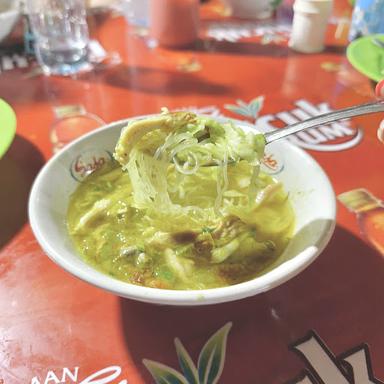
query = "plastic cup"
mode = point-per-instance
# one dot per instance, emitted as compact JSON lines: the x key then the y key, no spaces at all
{"x":309,"y":25}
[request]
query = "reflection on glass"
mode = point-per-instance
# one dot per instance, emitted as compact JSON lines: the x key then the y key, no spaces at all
{"x":71,"y":123}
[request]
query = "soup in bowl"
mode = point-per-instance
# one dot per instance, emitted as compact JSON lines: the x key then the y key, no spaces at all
{"x":153,"y":226}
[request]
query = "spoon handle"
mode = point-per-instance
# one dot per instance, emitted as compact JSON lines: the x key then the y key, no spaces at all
{"x":326,"y":118}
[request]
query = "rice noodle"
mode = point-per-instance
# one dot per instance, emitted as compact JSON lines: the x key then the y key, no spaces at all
{"x":169,"y":142}
{"x":148,"y":183}
{"x":183,"y":146}
{"x":267,"y":192}
{"x":222,"y":182}
{"x":189,"y":151}
{"x":179,"y":178}
{"x":252,"y":190}
{"x":183,"y":168}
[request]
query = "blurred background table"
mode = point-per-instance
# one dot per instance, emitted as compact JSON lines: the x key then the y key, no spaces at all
{"x":49,"y":320}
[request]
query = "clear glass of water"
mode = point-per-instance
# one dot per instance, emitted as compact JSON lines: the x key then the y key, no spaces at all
{"x":61,"y":35}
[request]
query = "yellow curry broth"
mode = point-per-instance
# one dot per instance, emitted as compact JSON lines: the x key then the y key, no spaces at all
{"x":187,"y":248}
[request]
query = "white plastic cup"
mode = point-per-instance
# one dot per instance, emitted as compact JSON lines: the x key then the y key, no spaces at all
{"x":309,"y":25}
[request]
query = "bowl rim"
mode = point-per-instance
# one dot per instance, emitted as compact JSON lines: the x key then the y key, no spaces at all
{"x":277,"y":276}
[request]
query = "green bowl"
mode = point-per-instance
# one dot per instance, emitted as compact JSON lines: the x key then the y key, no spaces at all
{"x":367,"y":57}
{"x":7,"y":126}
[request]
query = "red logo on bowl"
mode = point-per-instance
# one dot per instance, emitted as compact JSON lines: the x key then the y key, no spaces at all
{"x":88,"y":162}
{"x":272,"y":163}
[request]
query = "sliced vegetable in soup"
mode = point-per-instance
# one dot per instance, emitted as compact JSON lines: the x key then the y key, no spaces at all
{"x":185,"y":206}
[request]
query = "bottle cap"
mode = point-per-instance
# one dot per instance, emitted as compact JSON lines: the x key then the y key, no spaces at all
{"x":358,"y":200}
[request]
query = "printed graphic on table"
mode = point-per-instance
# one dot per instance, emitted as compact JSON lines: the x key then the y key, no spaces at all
{"x":333,"y":137}
{"x":321,"y":365}
{"x":336,"y":136}
{"x":369,"y":212}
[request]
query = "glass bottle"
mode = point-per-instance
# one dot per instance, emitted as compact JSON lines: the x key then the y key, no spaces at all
{"x":370,"y":214}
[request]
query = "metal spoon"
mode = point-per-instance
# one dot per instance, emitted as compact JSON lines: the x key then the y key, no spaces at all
{"x":326,"y":118}
{"x":357,"y":110}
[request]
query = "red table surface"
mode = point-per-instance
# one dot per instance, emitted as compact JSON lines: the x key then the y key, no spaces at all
{"x":50,"y":320}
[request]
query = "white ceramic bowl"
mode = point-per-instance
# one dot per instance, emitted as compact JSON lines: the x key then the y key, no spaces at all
{"x":310,"y":191}
{"x":9,"y":15}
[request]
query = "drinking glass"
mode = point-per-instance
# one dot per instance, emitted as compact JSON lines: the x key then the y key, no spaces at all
{"x":61,"y":35}
{"x":71,"y":122}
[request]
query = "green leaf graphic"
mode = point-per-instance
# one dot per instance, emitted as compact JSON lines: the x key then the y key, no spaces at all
{"x":250,"y":109}
{"x":242,"y":103}
{"x":186,"y":363}
{"x":212,"y":356}
{"x":164,"y":374}
{"x":236,"y":109}
{"x":256,"y":105}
